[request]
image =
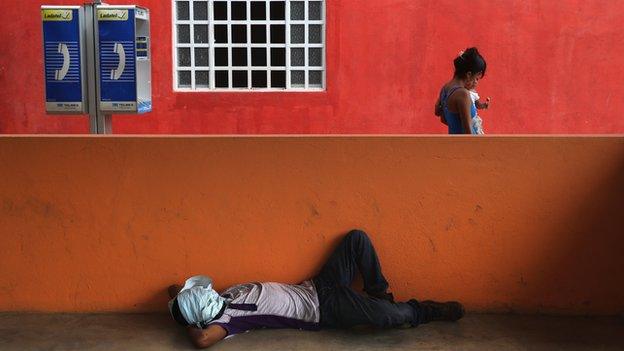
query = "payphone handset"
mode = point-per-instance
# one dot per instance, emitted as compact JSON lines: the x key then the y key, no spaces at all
{"x":121,"y":66}
{"x":60,"y":74}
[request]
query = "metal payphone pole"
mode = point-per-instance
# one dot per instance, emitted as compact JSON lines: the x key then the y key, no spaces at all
{"x":99,"y":122}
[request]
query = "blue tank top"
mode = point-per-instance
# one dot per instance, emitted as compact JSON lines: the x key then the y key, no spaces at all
{"x":453,"y":119}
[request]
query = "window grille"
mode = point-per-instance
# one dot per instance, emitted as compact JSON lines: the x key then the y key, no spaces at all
{"x":249,"y":45}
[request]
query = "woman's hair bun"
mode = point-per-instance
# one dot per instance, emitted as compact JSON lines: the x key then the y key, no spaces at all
{"x":469,"y":60}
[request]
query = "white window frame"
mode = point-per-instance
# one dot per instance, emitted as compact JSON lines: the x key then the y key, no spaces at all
{"x":211,"y":45}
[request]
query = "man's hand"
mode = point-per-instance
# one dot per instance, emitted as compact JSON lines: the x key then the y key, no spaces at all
{"x":203,"y":338}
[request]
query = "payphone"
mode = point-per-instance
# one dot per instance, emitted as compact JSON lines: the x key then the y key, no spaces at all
{"x":124,"y":59}
{"x":97,"y":61}
{"x":64,"y":62}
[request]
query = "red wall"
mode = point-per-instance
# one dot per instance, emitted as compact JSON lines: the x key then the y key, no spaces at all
{"x":554,"y":67}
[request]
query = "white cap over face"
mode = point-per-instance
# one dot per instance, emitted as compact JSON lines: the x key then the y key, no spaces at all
{"x":198,"y":301}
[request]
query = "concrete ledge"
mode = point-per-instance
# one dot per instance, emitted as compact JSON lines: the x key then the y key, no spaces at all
{"x":156,"y":332}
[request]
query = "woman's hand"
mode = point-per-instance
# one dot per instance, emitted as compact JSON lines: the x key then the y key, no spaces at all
{"x":484,"y":105}
{"x":438,"y":109}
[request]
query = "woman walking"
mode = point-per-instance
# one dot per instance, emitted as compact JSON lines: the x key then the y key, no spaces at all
{"x":457,"y":105}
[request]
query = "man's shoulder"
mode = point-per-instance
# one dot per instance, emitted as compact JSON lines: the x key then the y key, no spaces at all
{"x":238,"y":289}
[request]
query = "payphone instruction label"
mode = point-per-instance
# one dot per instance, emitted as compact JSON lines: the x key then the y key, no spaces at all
{"x":118,"y":86}
{"x":62,"y":60}
{"x":112,"y":15}
{"x":57,"y":15}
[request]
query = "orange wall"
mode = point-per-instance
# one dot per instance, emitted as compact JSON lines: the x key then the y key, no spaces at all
{"x":528,"y":224}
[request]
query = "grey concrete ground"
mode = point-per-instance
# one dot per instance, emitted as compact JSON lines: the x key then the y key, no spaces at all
{"x":157,"y":332}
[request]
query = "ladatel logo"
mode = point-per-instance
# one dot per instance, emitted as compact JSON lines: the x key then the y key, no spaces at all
{"x":112,"y":15}
{"x":49,"y":15}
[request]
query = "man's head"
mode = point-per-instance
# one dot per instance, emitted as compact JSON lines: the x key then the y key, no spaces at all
{"x":197,"y":303}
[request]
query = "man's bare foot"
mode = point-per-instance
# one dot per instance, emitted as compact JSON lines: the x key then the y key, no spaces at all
{"x":173,"y":290}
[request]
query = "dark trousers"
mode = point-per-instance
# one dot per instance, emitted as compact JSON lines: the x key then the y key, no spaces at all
{"x":343,"y":307}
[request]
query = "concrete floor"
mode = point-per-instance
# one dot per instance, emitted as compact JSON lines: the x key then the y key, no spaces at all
{"x":157,"y":332}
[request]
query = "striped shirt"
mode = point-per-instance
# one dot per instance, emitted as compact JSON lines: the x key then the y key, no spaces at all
{"x":270,"y":305}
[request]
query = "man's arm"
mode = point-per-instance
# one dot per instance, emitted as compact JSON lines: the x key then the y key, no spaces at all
{"x":203,"y":338}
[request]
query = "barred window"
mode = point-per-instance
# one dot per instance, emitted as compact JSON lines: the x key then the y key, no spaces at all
{"x":249,"y":45}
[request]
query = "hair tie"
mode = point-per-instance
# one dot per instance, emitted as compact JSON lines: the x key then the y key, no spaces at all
{"x":461,"y":54}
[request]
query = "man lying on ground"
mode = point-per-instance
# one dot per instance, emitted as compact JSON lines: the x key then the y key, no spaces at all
{"x":325,"y":301}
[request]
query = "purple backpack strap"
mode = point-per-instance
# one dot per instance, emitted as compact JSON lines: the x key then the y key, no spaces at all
{"x":243,"y":306}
